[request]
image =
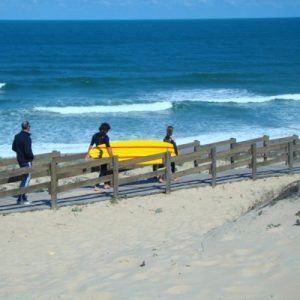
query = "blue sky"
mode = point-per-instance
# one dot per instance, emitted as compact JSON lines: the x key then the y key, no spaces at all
{"x":146,"y":9}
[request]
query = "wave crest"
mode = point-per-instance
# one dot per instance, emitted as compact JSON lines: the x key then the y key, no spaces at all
{"x":124,"y":108}
{"x":2,"y":85}
{"x":222,"y":96}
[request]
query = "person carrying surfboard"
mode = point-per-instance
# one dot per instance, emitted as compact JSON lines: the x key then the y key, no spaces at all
{"x":101,"y":138}
{"x":168,"y":139}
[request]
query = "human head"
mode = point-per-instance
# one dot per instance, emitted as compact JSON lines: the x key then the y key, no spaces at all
{"x":104,"y":127}
{"x":25,"y":125}
{"x":170,"y":130}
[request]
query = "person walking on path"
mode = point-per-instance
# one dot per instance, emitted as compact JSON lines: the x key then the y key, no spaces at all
{"x":168,"y":139}
{"x":22,"y":146}
{"x":101,"y":138}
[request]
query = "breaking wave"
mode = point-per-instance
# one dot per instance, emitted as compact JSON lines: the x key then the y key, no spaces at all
{"x":124,"y":108}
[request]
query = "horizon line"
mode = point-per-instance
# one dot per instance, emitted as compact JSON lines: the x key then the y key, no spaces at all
{"x":153,"y":19}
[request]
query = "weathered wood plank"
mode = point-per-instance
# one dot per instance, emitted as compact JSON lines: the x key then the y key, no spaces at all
{"x":19,"y":177}
{"x":77,"y":168}
{"x":75,"y":185}
{"x":281,"y":158}
{"x":290,"y":156}
{"x":265,"y":145}
{"x":134,"y":178}
{"x":21,"y":171}
{"x":191,"y":171}
{"x":29,"y":189}
{"x":254,"y":161}
{"x":70,"y":157}
{"x":236,"y":164}
{"x":232,"y":145}
{"x":131,"y":163}
{"x":115,"y":164}
{"x":273,"y":147}
{"x":46,"y":157}
{"x":252,"y":141}
{"x":183,"y":158}
{"x":187,"y":146}
{"x":237,"y":150}
{"x":283,"y":140}
{"x":196,"y":150}
{"x":167,"y":163}
{"x":217,"y":144}
{"x":213,"y":156}
{"x":53,"y":184}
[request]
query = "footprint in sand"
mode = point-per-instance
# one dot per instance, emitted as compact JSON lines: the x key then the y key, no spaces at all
{"x":177,"y":290}
{"x":117,"y":276}
{"x":243,"y":252}
{"x":126,"y":263}
{"x":228,"y":237}
{"x":254,"y":270}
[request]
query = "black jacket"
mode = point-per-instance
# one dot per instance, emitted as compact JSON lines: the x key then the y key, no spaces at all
{"x":170,"y":140}
{"x":22,"y":146}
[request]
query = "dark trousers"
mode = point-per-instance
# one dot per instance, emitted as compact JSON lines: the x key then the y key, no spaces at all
{"x":103,"y":172}
{"x":24,"y":182}
{"x":173,"y":168}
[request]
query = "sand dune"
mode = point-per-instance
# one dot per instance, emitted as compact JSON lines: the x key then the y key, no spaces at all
{"x":192,"y":244}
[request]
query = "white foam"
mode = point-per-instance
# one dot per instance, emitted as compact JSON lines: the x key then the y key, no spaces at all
{"x":2,"y":85}
{"x":220,"y":96}
{"x":124,"y":108}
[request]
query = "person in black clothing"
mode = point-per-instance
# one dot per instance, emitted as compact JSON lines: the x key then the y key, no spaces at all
{"x":101,"y":138}
{"x":169,"y":139}
{"x":22,"y":146}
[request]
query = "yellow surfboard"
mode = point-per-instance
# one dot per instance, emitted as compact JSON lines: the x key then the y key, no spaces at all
{"x":134,"y":149}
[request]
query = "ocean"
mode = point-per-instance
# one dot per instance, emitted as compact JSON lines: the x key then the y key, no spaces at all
{"x":210,"y":79}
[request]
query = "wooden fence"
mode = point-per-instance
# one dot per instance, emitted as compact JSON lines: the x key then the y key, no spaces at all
{"x":52,"y":170}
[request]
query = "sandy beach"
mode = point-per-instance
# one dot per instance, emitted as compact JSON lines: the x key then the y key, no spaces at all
{"x":199,"y":243}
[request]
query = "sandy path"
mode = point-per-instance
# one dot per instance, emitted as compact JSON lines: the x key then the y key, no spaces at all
{"x":155,"y":247}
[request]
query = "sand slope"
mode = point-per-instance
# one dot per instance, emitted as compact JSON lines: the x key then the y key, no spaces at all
{"x":179,"y":246}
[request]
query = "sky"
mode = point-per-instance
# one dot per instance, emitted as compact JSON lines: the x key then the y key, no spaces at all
{"x":146,"y":9}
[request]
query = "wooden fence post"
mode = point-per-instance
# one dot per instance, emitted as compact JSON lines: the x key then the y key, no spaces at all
{"x":196,"y":149}
{"x":115,"y":167}
{"x":295,"y":140}
{"x":213,"y":155}
{"x":290,"y":156}
{"x":253,"y":162}
{"x":232,"y":143}
{"x":266,"y":139}
{"x":167,"y":163}
{"x":54,"y":183}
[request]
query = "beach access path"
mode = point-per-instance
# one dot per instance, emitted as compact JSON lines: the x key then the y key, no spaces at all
{"x":86,"y":195}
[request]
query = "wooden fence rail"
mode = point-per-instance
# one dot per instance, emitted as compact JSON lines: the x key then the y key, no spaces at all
{"x":53,"y":171}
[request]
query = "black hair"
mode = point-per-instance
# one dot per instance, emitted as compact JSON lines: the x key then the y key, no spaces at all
{"x":104,"y":127}
{"x":25,"y":125}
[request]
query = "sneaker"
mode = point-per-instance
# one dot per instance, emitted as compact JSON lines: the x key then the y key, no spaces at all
{"x":26,"y":202}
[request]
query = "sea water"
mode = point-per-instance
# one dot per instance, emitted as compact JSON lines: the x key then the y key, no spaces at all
{"x":210,"y":79}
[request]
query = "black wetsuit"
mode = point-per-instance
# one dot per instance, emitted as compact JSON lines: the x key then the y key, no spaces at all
{"x":169,"y":139}
{"x":101,"y":138}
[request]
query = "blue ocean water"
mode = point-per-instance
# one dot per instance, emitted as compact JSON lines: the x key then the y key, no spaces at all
{"x":211,"y":79}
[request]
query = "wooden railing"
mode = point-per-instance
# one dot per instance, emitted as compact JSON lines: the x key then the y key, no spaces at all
{"x":53,"y":171}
